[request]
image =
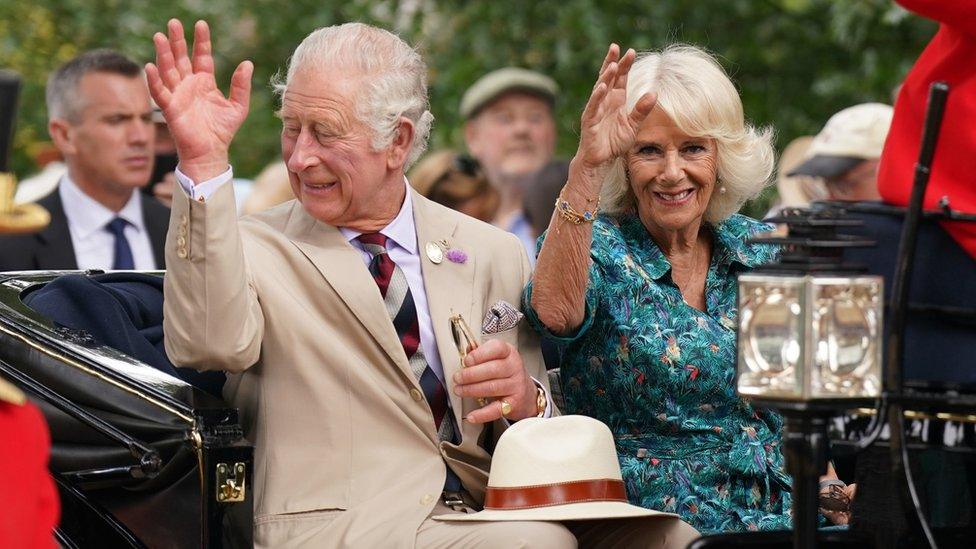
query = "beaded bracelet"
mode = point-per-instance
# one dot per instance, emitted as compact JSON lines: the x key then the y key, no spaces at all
{"x":567,"y":212}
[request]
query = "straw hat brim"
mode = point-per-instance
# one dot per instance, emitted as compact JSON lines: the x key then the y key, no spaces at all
{"x":592,"y":510}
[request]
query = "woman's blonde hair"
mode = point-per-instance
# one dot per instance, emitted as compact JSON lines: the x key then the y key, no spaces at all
{"x":696,"y":93}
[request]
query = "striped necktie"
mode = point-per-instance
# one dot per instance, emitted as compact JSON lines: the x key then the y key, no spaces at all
{"x":400,"y":306}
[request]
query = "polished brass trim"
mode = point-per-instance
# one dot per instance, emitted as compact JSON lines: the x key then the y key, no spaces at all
{"x":196,"y":438}
{"x":92,"y":372}
{"x":230,"y":483}
{"x":913,"y":414}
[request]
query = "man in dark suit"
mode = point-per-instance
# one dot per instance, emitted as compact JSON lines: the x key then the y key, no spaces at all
{"x":100,"y":118}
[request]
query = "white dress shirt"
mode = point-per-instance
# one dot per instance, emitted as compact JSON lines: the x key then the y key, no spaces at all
{"x":93,"y":243}
{"x":402,"y":247}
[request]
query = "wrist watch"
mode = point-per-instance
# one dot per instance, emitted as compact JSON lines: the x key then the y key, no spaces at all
{"x":541,"y":402}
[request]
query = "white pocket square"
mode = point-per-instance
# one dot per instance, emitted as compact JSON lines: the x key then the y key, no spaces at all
{"x":500,"y":317}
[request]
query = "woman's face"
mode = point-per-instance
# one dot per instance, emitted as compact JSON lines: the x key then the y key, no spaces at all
{"x":672,"y":174}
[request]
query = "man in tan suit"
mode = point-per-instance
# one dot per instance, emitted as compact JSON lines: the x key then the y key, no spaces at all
{"x":331,"y":312}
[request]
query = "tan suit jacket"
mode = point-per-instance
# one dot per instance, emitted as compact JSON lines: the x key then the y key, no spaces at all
{"x":346,"y":452}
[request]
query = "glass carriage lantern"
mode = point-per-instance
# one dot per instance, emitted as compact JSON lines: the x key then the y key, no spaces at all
{"x":810,"y":326}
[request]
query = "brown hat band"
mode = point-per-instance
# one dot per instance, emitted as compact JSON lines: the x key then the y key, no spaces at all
{"x":577,"y":491}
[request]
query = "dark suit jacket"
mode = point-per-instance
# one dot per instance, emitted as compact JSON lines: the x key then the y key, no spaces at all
{"x":52,"y":248}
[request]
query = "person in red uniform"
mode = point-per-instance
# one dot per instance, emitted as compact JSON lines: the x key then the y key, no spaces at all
{"x":950,"y":57}
{"x":27,"y":494}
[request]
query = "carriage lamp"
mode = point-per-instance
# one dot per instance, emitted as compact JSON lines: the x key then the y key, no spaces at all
{"x":810,"y":326}
{"x":810,"y":337}
{"x":809,"y":344}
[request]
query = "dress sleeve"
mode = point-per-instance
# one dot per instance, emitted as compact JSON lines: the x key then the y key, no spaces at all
{"x":592,"y":300}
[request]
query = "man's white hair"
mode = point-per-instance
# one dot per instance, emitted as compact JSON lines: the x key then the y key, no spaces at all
{"x":395,"y":76}
{"x":696,"y":93}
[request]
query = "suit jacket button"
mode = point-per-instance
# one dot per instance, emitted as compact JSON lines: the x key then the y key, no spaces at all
{"x":184,"y":220}
{"x":181,"y":253}
{"x":181,"y":241}
{"x":416,"y":395}
{"x":427,"y":499}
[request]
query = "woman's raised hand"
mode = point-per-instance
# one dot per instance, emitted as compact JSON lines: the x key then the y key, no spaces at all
{"x":201,"y":120}
{"x":607,"y":130}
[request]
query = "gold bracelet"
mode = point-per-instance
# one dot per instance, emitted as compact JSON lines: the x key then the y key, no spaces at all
{"x":567,"y":212}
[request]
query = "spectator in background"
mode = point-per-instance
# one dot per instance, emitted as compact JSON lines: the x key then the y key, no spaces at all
{"x":845,"y":153}
{"x":100,"y":118}
{"x":511,"y":130}
{"x":456,"y":181}
{"x":800,"y":190}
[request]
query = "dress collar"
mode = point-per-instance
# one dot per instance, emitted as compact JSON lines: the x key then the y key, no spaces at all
{"x":728,"y":244}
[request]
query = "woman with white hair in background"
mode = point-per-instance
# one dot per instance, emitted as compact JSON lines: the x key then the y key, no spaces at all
{"x":637,"y":278}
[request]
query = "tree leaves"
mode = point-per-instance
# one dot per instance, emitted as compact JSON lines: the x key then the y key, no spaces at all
{"x":795,"y":62}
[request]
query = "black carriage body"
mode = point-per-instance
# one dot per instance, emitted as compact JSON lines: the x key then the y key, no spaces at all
{"x":141,"y":458}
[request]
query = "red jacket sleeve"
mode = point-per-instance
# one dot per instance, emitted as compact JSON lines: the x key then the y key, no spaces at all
{"x":28,"y":497}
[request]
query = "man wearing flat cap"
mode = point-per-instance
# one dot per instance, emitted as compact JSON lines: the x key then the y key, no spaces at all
{"x":332,"y":313}
{"x":846,"y":152}
{"x":511,"y":130}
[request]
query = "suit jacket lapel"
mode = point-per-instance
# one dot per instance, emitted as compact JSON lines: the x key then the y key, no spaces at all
{"x":448,"y":285}
{"x":54,"y":250}
{"x":343,"y":268}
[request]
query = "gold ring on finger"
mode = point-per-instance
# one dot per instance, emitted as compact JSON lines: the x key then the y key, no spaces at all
{"x":506,"y":408}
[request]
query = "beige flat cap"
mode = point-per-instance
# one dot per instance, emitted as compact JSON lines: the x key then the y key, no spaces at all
{"x":495,"y":83}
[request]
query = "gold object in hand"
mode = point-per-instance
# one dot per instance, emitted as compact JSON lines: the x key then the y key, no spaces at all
{"x":465,"y":341}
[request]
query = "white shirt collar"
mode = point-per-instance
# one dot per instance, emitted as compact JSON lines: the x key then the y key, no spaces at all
{"x":86,"y":215}
{"x":402,"y":230}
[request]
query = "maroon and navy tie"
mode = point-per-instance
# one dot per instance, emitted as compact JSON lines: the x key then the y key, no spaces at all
{"x":400,"y":306}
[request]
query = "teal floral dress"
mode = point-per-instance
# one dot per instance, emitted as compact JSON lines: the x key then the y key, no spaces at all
{"x":661,"y":375}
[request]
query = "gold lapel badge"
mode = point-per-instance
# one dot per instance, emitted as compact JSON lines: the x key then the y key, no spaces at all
{"x":434,"y":253}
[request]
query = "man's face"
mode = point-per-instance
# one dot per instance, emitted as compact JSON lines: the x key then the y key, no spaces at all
{"x":109,"y":143}
{"x":857,"y":183}
{"x":334,"y":171}
{"x":514,"y":135}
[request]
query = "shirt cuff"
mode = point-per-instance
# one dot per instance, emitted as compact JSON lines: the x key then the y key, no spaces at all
{"x":206,"y":189}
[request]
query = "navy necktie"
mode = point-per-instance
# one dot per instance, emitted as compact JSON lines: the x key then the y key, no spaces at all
{"x":123,"y":253}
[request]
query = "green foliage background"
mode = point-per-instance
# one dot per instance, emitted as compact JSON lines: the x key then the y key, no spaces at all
{"x":796,"y":62}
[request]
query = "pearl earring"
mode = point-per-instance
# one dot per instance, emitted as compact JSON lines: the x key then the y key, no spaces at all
{"x":722,"y":189}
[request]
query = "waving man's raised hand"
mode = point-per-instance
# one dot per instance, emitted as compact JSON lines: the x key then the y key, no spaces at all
{"x":607,"y":130}
{"x":202,"y":121}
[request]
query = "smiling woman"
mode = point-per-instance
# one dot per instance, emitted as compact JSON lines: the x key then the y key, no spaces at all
{"x":643,"y":296}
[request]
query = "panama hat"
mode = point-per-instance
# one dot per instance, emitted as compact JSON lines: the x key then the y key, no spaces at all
{"x":555,"y":469}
